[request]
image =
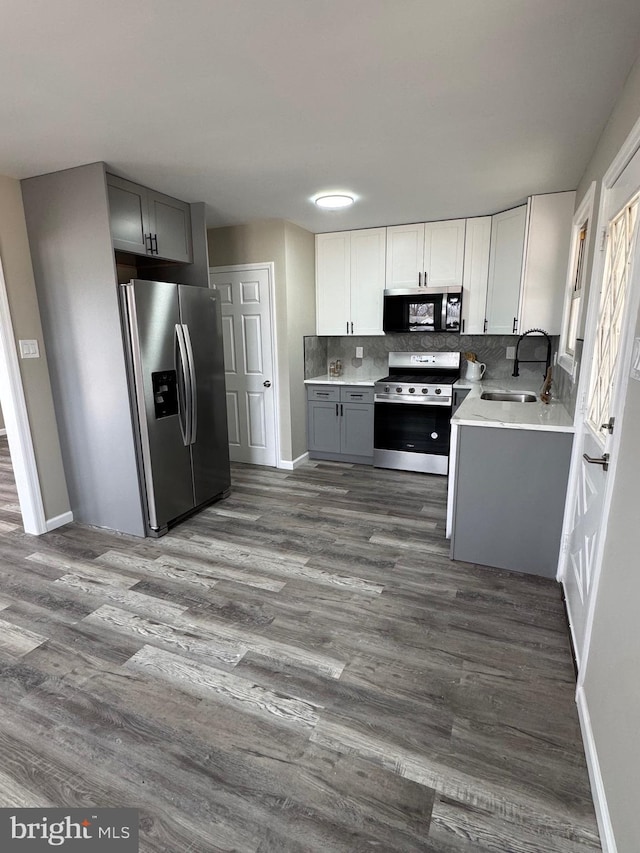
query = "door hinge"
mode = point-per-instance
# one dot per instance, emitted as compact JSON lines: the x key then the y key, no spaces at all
{"x":603,"y":241}
{"x":609,"y":425}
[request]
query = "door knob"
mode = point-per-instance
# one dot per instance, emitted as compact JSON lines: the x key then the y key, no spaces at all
{"x":266,"y":383}
{"x":598,"y":460}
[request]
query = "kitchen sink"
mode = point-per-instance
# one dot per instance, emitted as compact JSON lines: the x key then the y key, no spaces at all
{"x":508,"y":397}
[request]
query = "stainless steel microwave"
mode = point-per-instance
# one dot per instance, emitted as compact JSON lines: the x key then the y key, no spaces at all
{"x":417,"y":309}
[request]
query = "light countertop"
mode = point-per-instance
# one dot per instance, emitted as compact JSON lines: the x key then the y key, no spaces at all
{"x":346,"y":379}
{"x":552,"y":416}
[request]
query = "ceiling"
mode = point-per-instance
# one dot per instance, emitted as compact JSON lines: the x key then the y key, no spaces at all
{"x":423,"y":109}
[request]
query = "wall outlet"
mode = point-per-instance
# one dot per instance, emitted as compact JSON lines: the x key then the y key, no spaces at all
{"x":511,"y":353}
{"x":359,"y":352}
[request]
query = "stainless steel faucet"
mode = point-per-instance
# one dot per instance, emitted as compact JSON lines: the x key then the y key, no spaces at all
{"x":517,"y":361}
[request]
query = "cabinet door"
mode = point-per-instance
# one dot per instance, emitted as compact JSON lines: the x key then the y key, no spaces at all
{"x":444,"y":253}
{"x":405,"y":255}
{"x":459,"y":396}
{"x":356,"y":429}
{"x":547,"y":258}
{"x":127,"y":215}
{"x":367,"y":280}
{"x":333,"y":283}
{"x":170,"y":224}
{"x":505,"y":270}
{"x":324,"y":427}
{"x":476,"y":274}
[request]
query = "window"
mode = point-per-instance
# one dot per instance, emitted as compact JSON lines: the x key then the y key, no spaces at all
{"x":575,"y":283}
{"x":620,"y":242}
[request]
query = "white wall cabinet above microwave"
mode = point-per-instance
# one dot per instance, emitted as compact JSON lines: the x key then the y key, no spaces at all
{"x":350,"y":270}
{"x":426,"y":254}
{"x":146,"y":222}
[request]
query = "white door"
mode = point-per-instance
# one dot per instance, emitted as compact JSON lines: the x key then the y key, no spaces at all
{"x":248,"y":363}
{"x":595,"y":441}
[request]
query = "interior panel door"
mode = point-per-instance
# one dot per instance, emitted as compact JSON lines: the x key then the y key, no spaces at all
{"x":246,"y":329}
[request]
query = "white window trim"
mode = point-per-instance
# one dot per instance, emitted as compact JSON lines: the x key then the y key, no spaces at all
{"x":584,"y":213}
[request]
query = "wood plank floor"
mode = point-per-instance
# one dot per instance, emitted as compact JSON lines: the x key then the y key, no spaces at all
{"x":298,"y":668}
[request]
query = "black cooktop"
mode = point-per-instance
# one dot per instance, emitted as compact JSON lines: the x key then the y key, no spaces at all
{"x":423,"y":377}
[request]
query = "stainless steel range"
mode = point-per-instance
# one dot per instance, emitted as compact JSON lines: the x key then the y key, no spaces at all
{"x":412,"y":409}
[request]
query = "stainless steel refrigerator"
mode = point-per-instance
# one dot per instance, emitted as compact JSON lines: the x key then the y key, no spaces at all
{"x":176,"y":383}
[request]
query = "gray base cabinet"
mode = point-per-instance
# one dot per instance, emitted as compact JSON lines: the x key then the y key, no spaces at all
{"x":509,"y":498}
{"x":340,"y":423}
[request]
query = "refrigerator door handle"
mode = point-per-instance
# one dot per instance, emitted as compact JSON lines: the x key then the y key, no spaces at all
{"x":184,"y":384}
{"x":193,"y":402}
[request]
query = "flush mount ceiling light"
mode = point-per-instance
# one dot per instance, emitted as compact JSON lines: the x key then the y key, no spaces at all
{"x":334,"y":201}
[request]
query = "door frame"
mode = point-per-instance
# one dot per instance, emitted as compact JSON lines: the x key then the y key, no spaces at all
{"x":16,"y":419}
{"x":618,"y":165}
{"x":269,"y":266}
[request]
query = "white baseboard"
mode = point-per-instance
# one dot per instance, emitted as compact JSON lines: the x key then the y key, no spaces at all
{"x":3,"y":432}
{"x":59,"y":520}
{"x":607,"y":838}
{"x":291,"y":466}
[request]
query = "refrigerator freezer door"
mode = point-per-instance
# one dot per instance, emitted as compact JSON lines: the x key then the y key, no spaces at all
{"x":202,"y":322}
{"x":160,"y":379}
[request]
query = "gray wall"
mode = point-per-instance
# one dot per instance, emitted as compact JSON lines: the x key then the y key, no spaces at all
{"x":612,"y":682}
{"x":25,"y":316}
{"x":291,"y":249}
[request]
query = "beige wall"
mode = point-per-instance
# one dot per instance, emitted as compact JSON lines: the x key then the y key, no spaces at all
{"x":291,"y":249}
{"x":612,"y":680}
{"x":21,"y":292}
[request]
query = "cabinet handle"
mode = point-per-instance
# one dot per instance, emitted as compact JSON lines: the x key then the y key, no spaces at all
{"x":353,"y":396}
{"x":148,"y":244}
{"x":336,"y":410}
{"x":419,"y":279}
{"x":155,"y":240}
{"x":322,"y":393}
{"x":485,"y":325}
{"x":341,"y":410}
{"x":347,"y":327}
{"x":352,"y":327}
{"x":515,"y":325}
{"x":425,"y":279}
{"x":463,"y":326}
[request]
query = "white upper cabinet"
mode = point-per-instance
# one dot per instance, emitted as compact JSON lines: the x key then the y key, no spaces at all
{"x":368,"y":251}
{"x":405,"y":256}
{"x":476,"y":275}
{"x":546,"y":261}
{"x":145,"y":222}
{"x":350,"y":270}
{"x":505,"y":271}
{"x":426,"y":254}
{"x":444,"y":253}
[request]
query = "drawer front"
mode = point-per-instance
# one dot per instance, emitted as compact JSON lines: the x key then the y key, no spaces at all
{"x":356,"y":394}
{"x":323,"y":392}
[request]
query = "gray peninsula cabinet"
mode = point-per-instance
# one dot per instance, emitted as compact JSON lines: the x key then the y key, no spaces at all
{"x":340,"y":423}
{"x":510,"y":488}
{"x":82,"y":249}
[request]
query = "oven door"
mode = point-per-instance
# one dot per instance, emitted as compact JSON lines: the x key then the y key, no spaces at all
{"x":412,"y":437}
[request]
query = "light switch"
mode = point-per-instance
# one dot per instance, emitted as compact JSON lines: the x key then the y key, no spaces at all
{"x":29,"y":349}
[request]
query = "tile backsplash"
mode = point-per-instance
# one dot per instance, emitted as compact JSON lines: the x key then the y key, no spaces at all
{"x":490,"y":349}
